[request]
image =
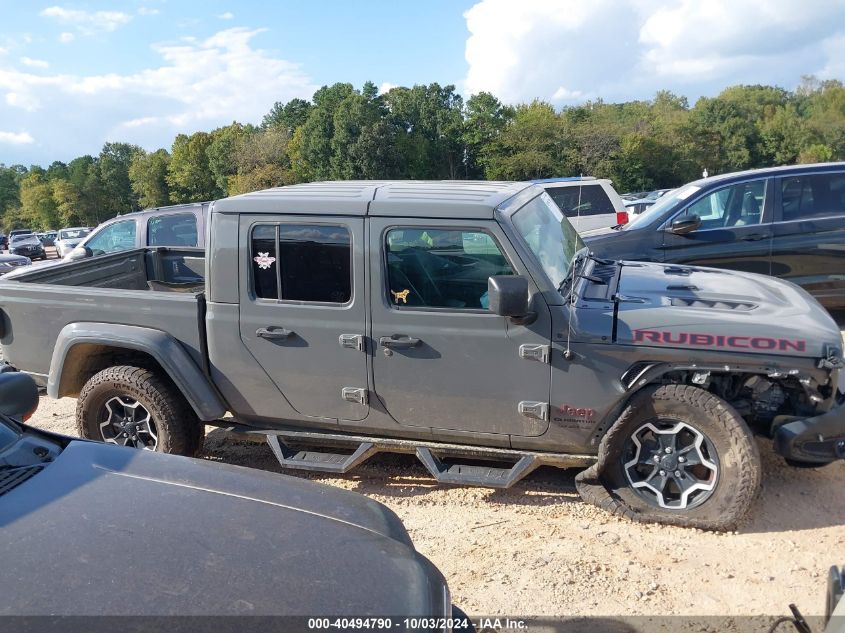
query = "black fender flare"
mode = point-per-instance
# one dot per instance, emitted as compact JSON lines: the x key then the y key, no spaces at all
{"x":159,"y":345}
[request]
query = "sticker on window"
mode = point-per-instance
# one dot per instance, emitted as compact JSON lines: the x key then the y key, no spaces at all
{"x":264,"y":260}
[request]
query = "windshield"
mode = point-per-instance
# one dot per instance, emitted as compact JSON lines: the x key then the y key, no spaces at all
{"x":665,"y":202}
{"x":549,"y":235}
{"x":20,"y":237}
{"x":73,"y":234}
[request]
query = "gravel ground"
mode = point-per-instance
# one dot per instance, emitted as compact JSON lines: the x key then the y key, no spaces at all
{"x":537,"y":549}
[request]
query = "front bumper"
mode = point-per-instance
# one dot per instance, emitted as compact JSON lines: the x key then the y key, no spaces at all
{"x":816,"y":440}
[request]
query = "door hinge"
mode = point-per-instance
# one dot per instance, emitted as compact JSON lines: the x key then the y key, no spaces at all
{"x":536,"y":410}
{"x":534,"y":352}
{"x":354,"y":394}
{"x":352,"y":341}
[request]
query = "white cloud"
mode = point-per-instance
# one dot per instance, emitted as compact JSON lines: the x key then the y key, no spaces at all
{"x":88,"y":22}
{"x":66,"y":37}
{"x":571,"y":50}
{"x":386,"y":86}
{"x":26,"y":101}
{"x":198,"y":85}
{"x":148,"y":11}
{"x":16,"y":138}
{"x":34,"y":63}
{"x":226,"y":16}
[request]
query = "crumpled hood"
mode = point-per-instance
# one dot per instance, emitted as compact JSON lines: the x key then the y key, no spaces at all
{"x":693,"y":307}
{"x":111,"y":531}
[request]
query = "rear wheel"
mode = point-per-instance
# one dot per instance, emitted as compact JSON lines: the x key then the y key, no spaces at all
{"x":134,"y":407}
{"x":678,"y":455}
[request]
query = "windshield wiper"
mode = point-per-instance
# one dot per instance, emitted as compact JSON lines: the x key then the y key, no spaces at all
{"x":576,"y":260}
{"x":580,"y":256}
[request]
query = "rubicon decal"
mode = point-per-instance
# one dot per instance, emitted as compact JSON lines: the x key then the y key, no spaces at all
{"x":696,"y":339}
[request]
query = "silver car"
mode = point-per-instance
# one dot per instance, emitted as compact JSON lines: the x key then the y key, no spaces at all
{"x":68,"y":239}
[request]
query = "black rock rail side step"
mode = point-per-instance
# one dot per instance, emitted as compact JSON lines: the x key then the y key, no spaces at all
{"x":475,"y":475}
{"x":320,"y":460}
{"x":340,"y":453}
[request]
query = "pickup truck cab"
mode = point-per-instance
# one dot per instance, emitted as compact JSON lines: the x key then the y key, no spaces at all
{"x":463,"y":322}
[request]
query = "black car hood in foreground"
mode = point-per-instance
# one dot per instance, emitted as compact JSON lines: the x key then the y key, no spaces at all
{"x":693,"y":307}
{"x":111,"y":531}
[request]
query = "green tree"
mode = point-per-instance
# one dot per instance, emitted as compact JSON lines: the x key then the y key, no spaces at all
{"x":10,"y":186}
{"x":485,"y":119}
{"x":314,"y":149}
{"x":222,"y":158}
{"x":188,"y":175}
{"x":533,"y":145}
{"x":67,"y":199}
{"x":38,"y":208}
{"x":430,"y":120}
{"x":287,"y":116}
{"x":113,"y":163}
{"x":148,"y":175}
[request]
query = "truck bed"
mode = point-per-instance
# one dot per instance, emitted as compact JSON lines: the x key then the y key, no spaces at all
{"x":157,"y":288}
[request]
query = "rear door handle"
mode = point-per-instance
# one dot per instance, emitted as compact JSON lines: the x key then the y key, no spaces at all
{"x":273,"y":333}
{"x":398,"y":341}
{"x":753,"y":237}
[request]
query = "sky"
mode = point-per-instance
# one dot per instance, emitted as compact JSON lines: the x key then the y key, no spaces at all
{"x":75,"y":75}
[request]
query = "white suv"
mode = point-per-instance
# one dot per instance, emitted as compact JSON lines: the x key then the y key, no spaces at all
{"x":588,"y":202}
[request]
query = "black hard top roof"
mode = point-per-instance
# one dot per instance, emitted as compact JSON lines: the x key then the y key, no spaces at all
{"x":407,"y":198}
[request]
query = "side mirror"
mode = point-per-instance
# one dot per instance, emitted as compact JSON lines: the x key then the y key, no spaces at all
{"x":18,"y":394}
{"x":507,"y":296}
{"x":80,"y":252}
{"x":686,"y":225}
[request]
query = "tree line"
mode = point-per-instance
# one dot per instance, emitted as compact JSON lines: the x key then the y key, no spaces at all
{"x":431,"y":132}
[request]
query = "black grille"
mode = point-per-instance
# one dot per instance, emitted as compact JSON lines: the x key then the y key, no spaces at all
{"x":13,"y":476}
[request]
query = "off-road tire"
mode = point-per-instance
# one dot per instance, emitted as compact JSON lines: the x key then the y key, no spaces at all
{"x":605,"y":484}
{"x":180,"y":432}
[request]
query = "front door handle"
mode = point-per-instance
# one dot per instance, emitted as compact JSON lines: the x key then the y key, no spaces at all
{"x":753,"y":237}
{"x":398,"y":341}
{"x":273,"y":333}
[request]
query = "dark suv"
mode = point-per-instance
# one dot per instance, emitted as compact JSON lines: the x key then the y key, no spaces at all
{"x":788,"y":222}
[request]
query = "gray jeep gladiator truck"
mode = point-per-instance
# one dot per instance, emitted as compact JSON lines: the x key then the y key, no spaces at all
{"x":464,"y":322}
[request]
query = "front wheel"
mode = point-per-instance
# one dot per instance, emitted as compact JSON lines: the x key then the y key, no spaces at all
{"x":135,"y":407}
{"x":678,"y":455}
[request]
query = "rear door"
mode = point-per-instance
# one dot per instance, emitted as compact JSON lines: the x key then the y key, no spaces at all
{"x":809,"y":234}
{"x":586,"y":205}
{"x":735,"y":232}
{"x":442,"y":360}
{"x":302,"y":314}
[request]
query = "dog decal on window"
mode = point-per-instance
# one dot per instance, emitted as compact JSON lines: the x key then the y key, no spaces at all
{"x":402,"y":295}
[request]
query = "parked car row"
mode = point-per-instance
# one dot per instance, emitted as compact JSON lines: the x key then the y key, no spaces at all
{"x":788,"y":222}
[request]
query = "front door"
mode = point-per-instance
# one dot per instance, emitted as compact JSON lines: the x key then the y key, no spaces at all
{"x":441,"y":359}
{"x":303,"y":310}
{"x":735,"y":231}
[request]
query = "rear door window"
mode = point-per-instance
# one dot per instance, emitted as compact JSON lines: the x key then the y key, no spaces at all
{"x":302,"y":262}
{"x":119,"y":236}
{"x":812,"y":196}
{"x":172,"y":230}
{"x":581,"y":200}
